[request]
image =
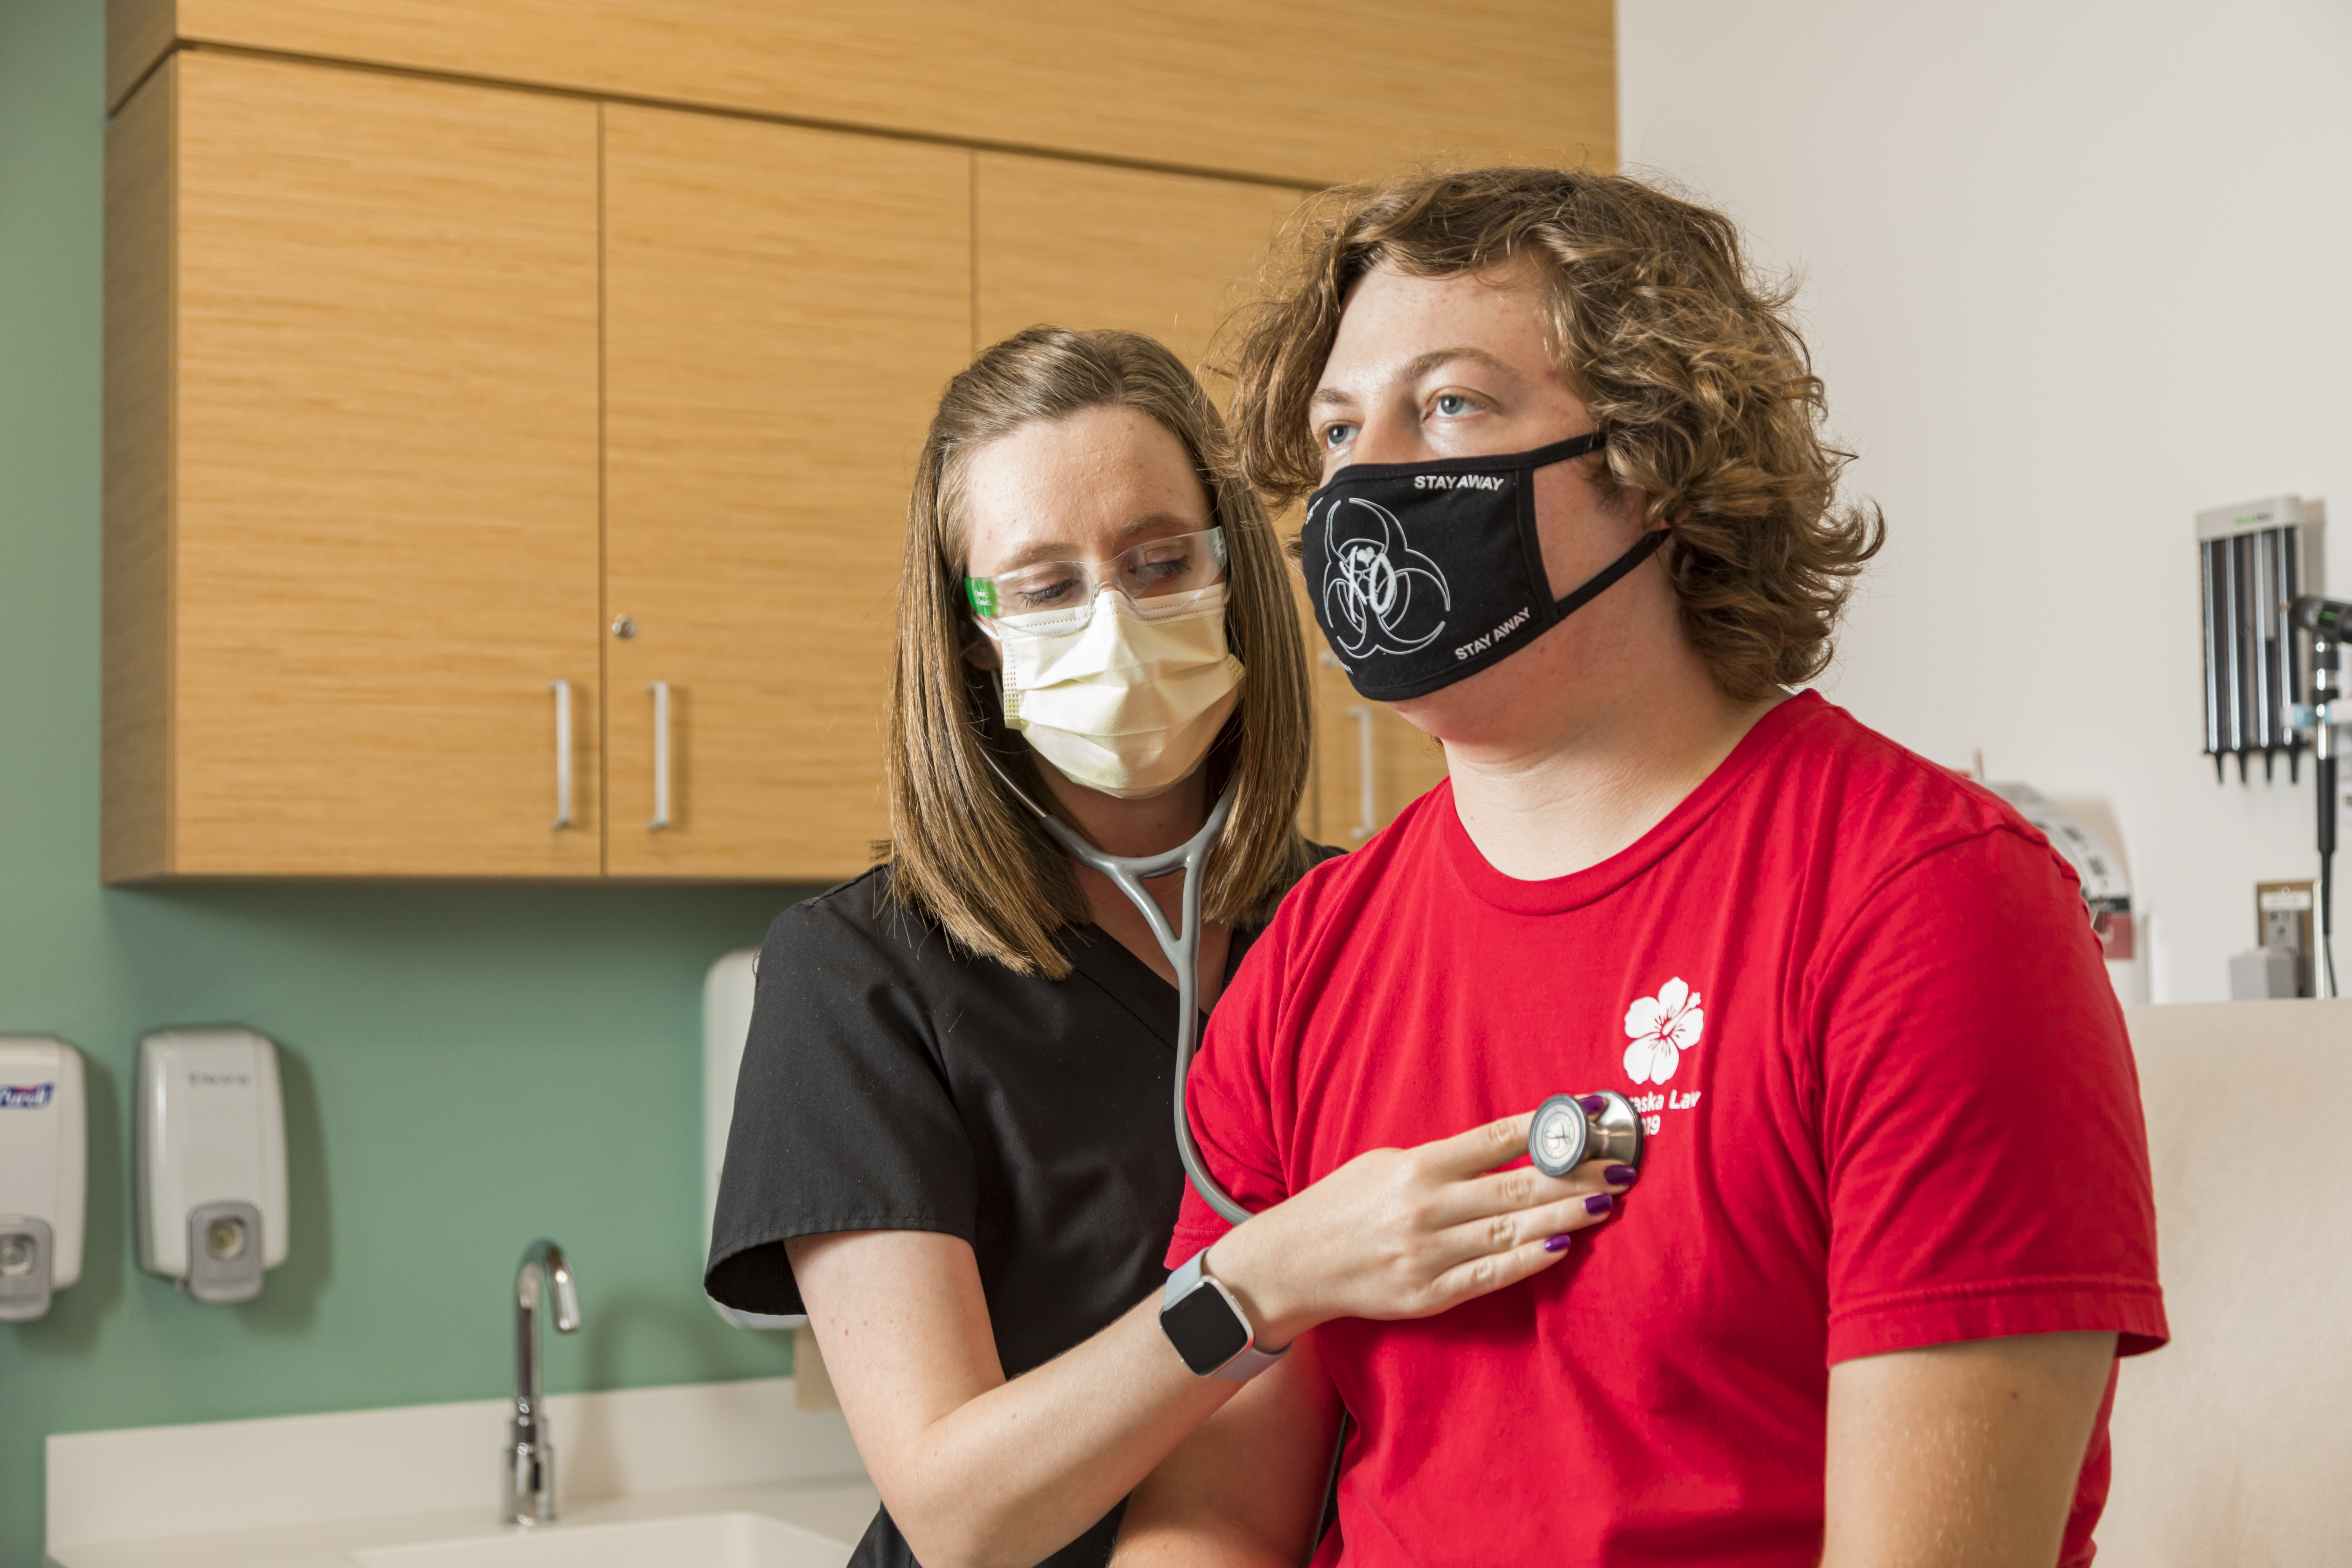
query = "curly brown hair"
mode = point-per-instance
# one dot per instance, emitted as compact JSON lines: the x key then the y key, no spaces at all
{"x":1684,"y":354}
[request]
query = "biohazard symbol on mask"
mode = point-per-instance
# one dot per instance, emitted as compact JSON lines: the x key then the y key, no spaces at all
{"x":1368,"y":597}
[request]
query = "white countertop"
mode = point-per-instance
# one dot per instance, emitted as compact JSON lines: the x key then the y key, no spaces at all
{"x":838,"y":1511}
{"x":283,"y":1491}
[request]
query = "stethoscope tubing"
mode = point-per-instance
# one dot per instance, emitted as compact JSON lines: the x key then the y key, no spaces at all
{"x":1613,"y":1132}
{"x":1183,"y":948}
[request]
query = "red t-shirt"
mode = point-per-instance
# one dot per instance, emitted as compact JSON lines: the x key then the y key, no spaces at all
{"x":1890,"y":1104}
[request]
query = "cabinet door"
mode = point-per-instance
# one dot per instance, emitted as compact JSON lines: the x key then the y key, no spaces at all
{"x":1077,"y":245}
{"x":358,"y":545}
{"x":782,"y":308}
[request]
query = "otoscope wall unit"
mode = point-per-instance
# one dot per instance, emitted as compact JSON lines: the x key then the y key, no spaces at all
{"x":211,"y":1161}
{"x":43,"y":1143}
{"x":2255,"y":559}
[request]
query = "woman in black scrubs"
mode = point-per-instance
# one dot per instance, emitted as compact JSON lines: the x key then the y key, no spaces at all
{"x":951,"y":1145}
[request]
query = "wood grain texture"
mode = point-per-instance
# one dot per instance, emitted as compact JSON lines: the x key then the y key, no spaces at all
{"x":135,"y":809}
{"x":1082,"y":244}
{"x":1287,"y":89}
{"x":385,"y":533}
{"x":782,"y":308}
{"x":138,"y":35}
{"x":1405,"y":763}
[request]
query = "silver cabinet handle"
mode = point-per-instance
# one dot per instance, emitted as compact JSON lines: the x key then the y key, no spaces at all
{"x":563,"y":689}
{"x":661,"y":757}
{"x":1367,"y":808}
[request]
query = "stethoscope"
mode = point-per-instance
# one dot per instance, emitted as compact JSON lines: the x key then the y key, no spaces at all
{"x":1181,"y":944}
{"x":1568,"y":1128}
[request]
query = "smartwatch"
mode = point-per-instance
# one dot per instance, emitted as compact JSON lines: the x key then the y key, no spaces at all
{"x":1208,"y":1327}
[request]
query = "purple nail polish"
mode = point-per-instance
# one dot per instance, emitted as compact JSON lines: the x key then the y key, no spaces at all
{"x":1558,"y":1243}
{"x":1593,"y":1104}
{"x":1619,"y":1176}
{"x":1599,"y":1203}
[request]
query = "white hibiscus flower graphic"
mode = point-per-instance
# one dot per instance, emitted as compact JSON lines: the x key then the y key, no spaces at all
{"x":1662,"y":1028}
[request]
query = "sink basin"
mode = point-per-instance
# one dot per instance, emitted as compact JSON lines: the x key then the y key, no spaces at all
{"x":699,"y":1541}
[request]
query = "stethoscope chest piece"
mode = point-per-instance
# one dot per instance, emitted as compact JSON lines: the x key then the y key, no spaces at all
{"x":1570,"y":1129}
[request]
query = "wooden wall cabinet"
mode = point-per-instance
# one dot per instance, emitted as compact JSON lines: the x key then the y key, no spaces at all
{"x":362,"y":521}
{"x":350,"y":496}
{"x":502,"y":481}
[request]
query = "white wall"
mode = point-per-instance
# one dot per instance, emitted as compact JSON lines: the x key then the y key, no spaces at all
{"x":2075,"y":269}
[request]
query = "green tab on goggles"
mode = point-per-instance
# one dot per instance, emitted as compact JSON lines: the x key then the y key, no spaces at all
{"x":1180,"y":564}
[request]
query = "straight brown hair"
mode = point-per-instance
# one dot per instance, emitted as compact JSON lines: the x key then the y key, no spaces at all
{"x":965,"y":851}
{"x":1685,"y":354}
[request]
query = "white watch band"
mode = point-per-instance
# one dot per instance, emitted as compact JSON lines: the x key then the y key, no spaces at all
{"x":1247,"y":1362}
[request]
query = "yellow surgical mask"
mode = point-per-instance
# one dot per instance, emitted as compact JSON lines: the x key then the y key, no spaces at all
{"x":1121,"y":698}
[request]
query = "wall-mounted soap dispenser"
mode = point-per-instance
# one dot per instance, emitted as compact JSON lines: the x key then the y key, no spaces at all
{"x":44,"y":1137}
{"x":210,"y":1156}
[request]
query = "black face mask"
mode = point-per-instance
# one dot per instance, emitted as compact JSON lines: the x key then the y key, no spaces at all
{"x":1426,"y":573}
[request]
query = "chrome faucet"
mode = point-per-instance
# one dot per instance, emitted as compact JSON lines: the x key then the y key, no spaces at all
{"x":530,"y":1464}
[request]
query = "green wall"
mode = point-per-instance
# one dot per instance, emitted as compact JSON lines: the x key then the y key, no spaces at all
{"x":466,"y":1068}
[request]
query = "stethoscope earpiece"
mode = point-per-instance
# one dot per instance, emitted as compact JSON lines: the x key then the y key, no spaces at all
{"x":1570,"y":1129}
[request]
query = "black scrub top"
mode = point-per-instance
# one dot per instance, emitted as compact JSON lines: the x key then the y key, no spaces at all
{"x":892,"y":1081}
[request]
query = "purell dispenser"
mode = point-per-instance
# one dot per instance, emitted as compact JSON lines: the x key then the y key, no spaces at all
{"x":43,"y":1145}
{"x":211,"y":1161}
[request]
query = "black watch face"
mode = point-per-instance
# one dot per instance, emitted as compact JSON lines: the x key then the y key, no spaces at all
{"x":1207,"y":1331}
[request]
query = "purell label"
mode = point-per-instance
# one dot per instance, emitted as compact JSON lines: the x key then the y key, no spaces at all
{"x":25,"y":1096}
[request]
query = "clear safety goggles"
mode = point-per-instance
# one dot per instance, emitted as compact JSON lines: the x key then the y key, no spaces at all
{"x":1156,"y":569}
